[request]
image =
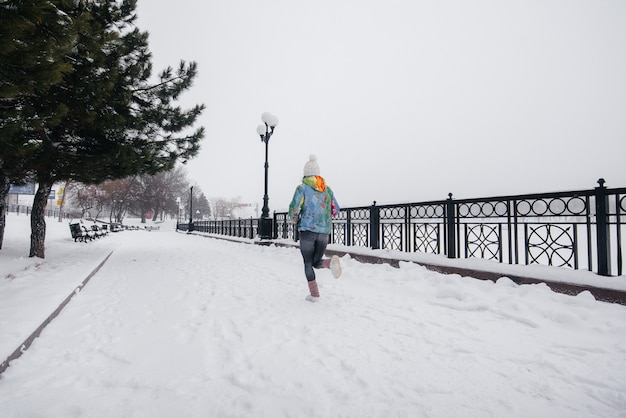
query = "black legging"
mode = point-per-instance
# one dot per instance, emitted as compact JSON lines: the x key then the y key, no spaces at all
{"x":312,"y":247}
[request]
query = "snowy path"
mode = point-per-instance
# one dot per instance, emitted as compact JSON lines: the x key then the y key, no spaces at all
{"x":177,"y":325}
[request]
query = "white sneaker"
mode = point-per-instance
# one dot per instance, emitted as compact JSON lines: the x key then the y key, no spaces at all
{"x":312,"y":298}
{"x":335,"y":266}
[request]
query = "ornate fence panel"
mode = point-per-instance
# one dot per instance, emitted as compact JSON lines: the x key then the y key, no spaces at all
{"x":543,"y":229}
{"x":283,"y":228}
{"x":557,"y":229}
{"x":393,"y":227}
{"x":427,"y":225}
{"x":357,"y":230}
{"x":414,"y":227}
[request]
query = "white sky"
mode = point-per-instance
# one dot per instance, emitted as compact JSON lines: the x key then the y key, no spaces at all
{"x":402,"y":100}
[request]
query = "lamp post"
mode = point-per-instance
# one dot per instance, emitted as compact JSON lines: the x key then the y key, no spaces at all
{"x":178,"y":211}
{"x":190,"y":227}
{"x":112,"y":214}
{"x":265,"y":131}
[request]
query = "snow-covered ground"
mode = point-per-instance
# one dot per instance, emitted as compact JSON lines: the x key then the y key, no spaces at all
{"x":188,"y":326}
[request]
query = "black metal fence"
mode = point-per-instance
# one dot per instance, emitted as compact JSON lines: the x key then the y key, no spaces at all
{"x":577,"y":229}
{"x":50,"y":213}
{"x":242,"y":228}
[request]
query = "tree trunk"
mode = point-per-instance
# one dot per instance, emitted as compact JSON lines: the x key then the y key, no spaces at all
{"x":157,"y":211}
{"x":119,"y":216}
{"x":38,"y":219}
{"x":5,"y":185}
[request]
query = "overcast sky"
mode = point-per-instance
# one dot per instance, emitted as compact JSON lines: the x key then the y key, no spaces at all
{"x":401,"y":100}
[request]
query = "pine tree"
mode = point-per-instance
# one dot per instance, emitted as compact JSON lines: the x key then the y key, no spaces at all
{"x":34,"y":37}
{"x":107,"y":118}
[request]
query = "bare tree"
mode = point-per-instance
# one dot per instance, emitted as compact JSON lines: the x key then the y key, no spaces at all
{"x":162,"y":194}
{"x":90,"y":198}
{"x":225,"y":208}
{"x":120,"y":195}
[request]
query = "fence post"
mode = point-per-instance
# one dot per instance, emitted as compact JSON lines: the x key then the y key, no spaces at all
{"x":603,"y":243}
{"x":450,"y":230}
{"x":348,"y":231}
{"x":374,"y":226}
{"x":190,"y":227}
{"x":274,"y":227}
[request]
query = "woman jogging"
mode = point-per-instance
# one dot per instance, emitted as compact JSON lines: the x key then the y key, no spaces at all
{"x":312,"y":207}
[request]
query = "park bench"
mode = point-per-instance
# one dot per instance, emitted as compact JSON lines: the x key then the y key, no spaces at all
{"x":80,"y":233}
{"x":115,"y":227}
{"x":99,"y":232}
{"x":89,"y":232}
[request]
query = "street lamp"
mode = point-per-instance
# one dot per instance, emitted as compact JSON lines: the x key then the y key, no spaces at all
{"x":265,"y":131}
{"x":190,"y":227}
{"x":178,"y":213}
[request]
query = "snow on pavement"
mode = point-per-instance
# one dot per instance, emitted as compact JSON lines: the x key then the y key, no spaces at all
{"x":183,"y":325}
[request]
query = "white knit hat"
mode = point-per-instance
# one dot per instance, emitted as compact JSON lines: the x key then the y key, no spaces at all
{"x":311,"y":168}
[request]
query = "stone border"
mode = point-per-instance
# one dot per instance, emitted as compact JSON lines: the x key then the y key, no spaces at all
{"x":27,"y":343}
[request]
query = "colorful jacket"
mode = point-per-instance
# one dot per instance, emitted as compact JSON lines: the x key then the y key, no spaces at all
{"x":313,"y":205}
